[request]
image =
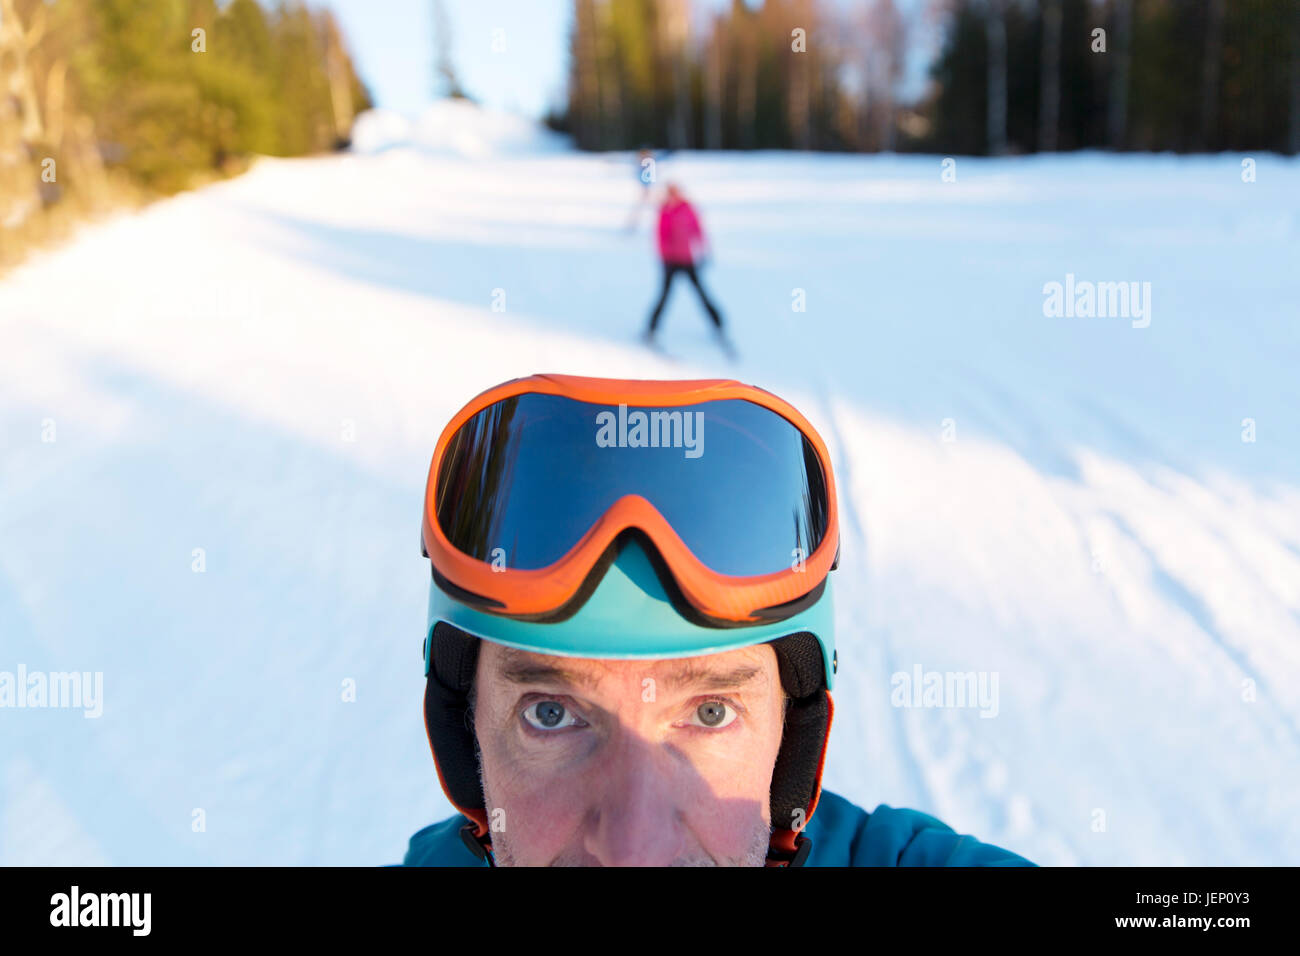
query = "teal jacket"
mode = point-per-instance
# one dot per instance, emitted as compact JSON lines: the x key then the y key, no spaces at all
{"x":842,"y":835}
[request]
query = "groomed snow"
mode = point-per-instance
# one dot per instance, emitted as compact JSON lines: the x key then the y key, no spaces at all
{"x":260,"y":370}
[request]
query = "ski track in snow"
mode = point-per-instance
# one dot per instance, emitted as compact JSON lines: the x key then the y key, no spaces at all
{"x":851,"y":610}
{"x":261,"y":369}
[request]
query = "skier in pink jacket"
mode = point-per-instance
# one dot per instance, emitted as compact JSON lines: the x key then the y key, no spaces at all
{"x":681,"y":247}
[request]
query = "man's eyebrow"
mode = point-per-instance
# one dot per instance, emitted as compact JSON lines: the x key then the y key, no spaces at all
{"x":697,"y":677}
{"x":519,"y":667}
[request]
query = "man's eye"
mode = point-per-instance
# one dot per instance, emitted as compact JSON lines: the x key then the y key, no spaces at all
{"x":550,"y":715}
{"x":714,"y":714}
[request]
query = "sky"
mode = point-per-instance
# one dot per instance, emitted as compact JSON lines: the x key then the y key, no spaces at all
{"x":392,"y":42}
{"x":522,"y":69}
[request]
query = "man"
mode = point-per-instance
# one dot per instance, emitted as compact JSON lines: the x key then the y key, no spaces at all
{"x":630,"y":643}
{"x":645,"y":177}
{"x":681,"y":247}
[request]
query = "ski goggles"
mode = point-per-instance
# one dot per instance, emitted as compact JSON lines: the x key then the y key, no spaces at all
{"x":535,"y":484}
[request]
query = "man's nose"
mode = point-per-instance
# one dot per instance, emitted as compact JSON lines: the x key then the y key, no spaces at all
{"x":636,"y":817}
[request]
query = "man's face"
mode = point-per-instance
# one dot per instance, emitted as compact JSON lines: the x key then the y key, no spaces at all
{"x":628,"y":763}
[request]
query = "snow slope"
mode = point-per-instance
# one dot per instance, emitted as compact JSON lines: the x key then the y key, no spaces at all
{"x":260,"y":370}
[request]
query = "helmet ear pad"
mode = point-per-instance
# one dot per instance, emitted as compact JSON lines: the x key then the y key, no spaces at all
{"x":453,"y":657}
{"x":796,"y":776}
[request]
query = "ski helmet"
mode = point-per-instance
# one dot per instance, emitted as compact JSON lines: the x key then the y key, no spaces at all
{"x":646,"y":577}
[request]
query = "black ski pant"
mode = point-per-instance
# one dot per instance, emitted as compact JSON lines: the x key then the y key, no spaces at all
{"x":670,"y":272}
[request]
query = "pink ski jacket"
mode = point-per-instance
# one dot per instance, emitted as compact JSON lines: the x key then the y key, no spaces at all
{"x":680,"y":235}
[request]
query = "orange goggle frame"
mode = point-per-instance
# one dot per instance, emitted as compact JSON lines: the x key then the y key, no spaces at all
{"x":536,"y":593}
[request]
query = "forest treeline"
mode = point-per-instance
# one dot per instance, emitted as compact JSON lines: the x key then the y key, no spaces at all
{"x":109,"y":100}
{"x":1009,"y":75}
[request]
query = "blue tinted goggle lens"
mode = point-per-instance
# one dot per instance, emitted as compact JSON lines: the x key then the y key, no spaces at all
{"x":524,"y":479}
